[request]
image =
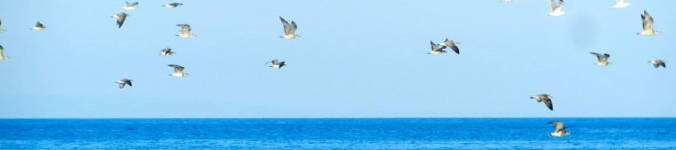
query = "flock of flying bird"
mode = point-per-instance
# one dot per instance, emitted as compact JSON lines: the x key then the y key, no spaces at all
{"x":557,"y":9}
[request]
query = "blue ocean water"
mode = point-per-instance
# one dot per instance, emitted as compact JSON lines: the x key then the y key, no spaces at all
{"x":531,"y":133}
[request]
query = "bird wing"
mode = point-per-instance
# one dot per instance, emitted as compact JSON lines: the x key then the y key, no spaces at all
{"x":647,"y":20}
{"x":293,"y":27}
{"x":548,"y":102}
{"x":185,"y":28}
{"x":38,"y":24}
{"x":121,"y":17}
{"x":1,"y":48}
{"x":434,"y":46}
{"x":552,"y":4}
{"x":598,"y":56}
{"x":287,"y":26}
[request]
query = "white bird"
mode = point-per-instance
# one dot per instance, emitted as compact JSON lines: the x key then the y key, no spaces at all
{"x":621,"y":4}
{"x":178,"y":71}
{"x":277,"y":64}
{"x":559,"y":130}
{"x":289,"y":29}
{"x":39,"y":26}
{"x":647,"y":25}
{"x":167,"y":52}
{"x":602,"y":59}
{"x":130,"y":6}
{"x":557,"y":8}
{"x":173,"y":5}
{"x":544,"y":98}
{"x":451,"y":44}
{"x":658,"y":63}
{"x":185,"y":31}
{"x":2,"y":54}
{"x":120,"y":18}
{"x":435,"y":49}
{"x":122,"y":82}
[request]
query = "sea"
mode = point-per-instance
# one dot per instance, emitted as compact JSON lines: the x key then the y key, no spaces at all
{"x":337,"y":133}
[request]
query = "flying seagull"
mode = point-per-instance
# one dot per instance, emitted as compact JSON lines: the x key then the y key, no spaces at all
{"x":178,"y":71}
{"x":621,"y":4}
{"x":647,"y":24}
{"x":559,"y":130}
{"x":602,"y":58}
{"x":167,"y":52}
{"x":658,"y":63}
{"x":277,"y":64}
{"x":130,"y":6}
{"x":2,"y":54}
{"x":1,"y":30}
{"x":173,"y":5}
{"x":289,"y":29}
{"x":39,"y":26}
{"x":451,"y":44}
{"x":436,"y":49}
{"x":185,"y":31}
{"x":557,"y":8}
{"x":546,"y":98}
{"x":122,"y":82}
{"x":120,"y":18}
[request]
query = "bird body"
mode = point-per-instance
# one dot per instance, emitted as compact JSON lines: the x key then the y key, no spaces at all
{"x":559,"y":130}
{"x":277,"y":64}
{"x":186,"y":31}
{"x":178,"y":71}
{"x":173,"y":5}
{"x":602,"y":59}
{"x":544,"y":98}
{"x":2,"y":54}
{"x":289,"y":29}
{"x":658,"y":63}
{"x":39,"y":26}
{"x":130,"y":6}
{"x":556,"y":8}
{"x":621,"y":4}
{"x":122,"y":82}
{"x":167,"y":52}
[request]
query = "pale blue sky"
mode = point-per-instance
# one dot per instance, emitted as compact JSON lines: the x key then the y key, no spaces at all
{"x":355,"y":59}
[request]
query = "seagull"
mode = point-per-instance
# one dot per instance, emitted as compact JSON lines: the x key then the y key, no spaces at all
{"x":173,"y":5}
{"x":559,"y":130}
{"x":647,"y":25}
{"x":602,"y":58}
{"x":436,"y":49}
{"x":120,"y":18}
{"x":452,"y":44}
{"x":621,"y":4}
{"x":167,"y":52}
{"x":39,"y":26}
{"x":546,"y":98}
{"x":2,"y":55}
{"x":185,"y":31}
{"x":289,"y":29}
{"x":178,"y":71}
{"x":277,"y":64}
{"x":1,"y":30}
{"x":658,"y":63}
{"x":130,"y":6}
{"x":557,"y":9}
{"x":122,"y":82}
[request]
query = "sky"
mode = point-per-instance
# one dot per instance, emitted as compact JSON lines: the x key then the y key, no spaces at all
{"x":354,"y":59}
